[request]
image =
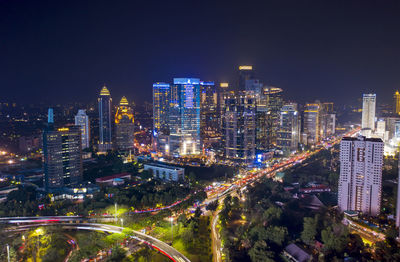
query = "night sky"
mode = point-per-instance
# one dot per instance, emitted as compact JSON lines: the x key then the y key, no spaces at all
{"x":64,"y":50}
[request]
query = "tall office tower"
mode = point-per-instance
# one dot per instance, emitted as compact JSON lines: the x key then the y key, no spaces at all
{"x":289,"y":130}
{"x":245,"y":73}
{"x":105,"y":142}
{"x":312,"y":123}
{"x":368,"y":114}
{"x":50,"y":116}
{"x":268,"y":117}
{"x":209,"y":115}
{"x":62,"y":151}
{"x":360,"y":181}
{"x":396,"y":107}
{"x":71,"y":154}
{"x":239,"y":126}
{"x":184,"y":117}
{"x":327,"y":120}
{"x":161,"y":99}
{"x":223,"y":89}
{"x":82,"y":120}
{"x":255,"y":88}
{"x":124,"y":125}
{"x":53,"y":159}
{"x":380,"y":131}
{"x":328,"y":107}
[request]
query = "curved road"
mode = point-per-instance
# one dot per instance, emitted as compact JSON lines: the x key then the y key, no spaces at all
{"x":70,"y":223}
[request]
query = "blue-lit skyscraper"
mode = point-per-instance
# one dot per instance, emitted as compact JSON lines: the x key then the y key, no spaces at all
{"x":105,"y":142}
{"x":184,"y":117}
{"x":82,"y":120}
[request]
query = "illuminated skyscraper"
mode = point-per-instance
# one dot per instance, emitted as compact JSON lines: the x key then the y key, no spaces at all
{"x":184,"y":117}
{"x":289,"y":130}
{"x":397,"y":103}
{"x":105,"y":139}
{"x":72,"y":154}
{"x":245,"y":73}
{"x":82,"y":120}
{"x":239,"y":126}
{"x":312,"y":123}
{"x":368,"y":114}
{"x":161,"y":97}
{"x":360,"y":181}
{"x":209,"y":115}
{"x":62,"y":151}
{"x":52,"y":159}
{"x":327,"y":120}
{"x":269,"y":105}
{"x":223,"y":89}
{"x":161,"y":100}
{"x":124,"y":125}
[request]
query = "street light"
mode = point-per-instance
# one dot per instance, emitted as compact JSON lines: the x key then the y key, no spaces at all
{"x":172,"y":229}
{"x":8,"y":253}
{"x":122,"y":222}
{"x":115,"y":206}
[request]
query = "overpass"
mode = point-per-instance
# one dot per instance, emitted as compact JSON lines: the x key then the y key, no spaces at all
{"x":16,"y":224}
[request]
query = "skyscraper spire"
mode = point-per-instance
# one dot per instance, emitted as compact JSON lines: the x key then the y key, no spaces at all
{"x":50,"y":116}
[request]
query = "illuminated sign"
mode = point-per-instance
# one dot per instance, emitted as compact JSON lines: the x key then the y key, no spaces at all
{"x":245,"y":67}
{"x":224,"y":84}
{"x":183,"y":81}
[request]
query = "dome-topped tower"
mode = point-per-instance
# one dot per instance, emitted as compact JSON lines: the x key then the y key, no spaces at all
{"x":104,"y":91}
{"x":124,"y":101}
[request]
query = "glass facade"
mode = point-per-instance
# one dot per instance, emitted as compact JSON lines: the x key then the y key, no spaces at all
{"x":184,"y":117}
{"x":105,"y":131}
{"x":239,"y":126}
{"x":124,"y":126}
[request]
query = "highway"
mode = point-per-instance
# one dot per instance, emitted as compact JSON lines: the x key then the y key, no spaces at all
{"x":78,"y":223}
{"x":249,"y":178}
{"x":81,"y":223}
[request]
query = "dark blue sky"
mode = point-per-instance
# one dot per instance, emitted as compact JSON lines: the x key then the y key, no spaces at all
{"x":64,"y":50}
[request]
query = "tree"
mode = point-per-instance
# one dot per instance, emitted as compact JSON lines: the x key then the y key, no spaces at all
{"x":117,"y":254}
{"x":261,"y":253}
{"x":212,"y":206}
{"x":197,"y":212}
{"x":276,"y":234}
{"x":309,"y":230}
{"x":335,"y":238}
{"x":272,"y":214}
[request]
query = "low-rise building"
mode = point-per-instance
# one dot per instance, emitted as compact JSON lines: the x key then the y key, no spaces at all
{"x":166,"y":172}
{"x":296,"y":254}
{"x":113,"y":180}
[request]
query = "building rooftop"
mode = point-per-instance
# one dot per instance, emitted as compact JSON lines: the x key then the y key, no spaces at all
{"x":104,"y":91}
{"x":297,"y":253}
{"x":165,"y":166}
{"x":361,"y":138}
{"x":124,"y":101}
{"x":115,"y":176}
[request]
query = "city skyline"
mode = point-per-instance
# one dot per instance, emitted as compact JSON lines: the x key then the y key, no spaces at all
{"x":253,"y":131}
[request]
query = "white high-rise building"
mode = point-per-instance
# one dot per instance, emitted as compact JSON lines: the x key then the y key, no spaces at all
{"x":368,"y":114}
{"x":360,"y":181}
{"x":82,"y":120}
